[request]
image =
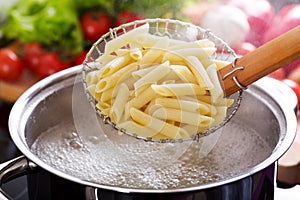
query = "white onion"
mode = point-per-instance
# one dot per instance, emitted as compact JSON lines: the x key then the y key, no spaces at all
{"x":227,"y":22}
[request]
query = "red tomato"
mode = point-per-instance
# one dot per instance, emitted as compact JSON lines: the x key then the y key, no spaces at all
{"x":11,"y":66}
{"x":50,"y":63}
{"x":127,"y":16}
{"x":294,"y":86}
{"x":94,"y":24}
{"x":31,"y":55}
{"x":80,"y":58}
{"x":295,"y":74}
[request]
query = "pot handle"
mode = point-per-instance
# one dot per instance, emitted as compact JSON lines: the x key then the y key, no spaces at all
{"x":280,"y":92}
{"x":13,"y":169}
{"x":91,"y":193}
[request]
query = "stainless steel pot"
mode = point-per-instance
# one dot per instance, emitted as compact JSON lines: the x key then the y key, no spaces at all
{"x":268,"y":107}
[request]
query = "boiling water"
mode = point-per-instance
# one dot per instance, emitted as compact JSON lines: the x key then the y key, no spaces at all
{"x":128,"y":162}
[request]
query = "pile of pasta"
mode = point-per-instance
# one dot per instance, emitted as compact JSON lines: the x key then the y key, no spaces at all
{"x":158,"y":87}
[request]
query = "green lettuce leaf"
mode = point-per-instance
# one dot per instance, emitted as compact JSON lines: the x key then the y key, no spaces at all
{"x":49,"y":22}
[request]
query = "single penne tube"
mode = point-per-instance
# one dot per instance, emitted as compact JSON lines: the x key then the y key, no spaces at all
{"x":154,"y":75}
{"x":203,"y":43}
{"x":142,"y":72}
{"x":183,"y":73}
{"x":145,"y":40}
{"x":92,"y":77}
{"x":157,"y":125}
{"x":108,"y":94}
{"x":202,"y":100}
{"x":105,"y":58}
{"x":156,"y":51}
{"x":220,"y":116}
{"x":111,"y":93}
{"x":178,"y":55}
{"x":143,"y":98}
{"x":173,"y":57}
{"x":91,"y":90}
{"x":178,"y":89}
{"x":148,"y":106}
{"x":200,"y":53}
{"x":129,"y":82}
{"x":200,"y":73}
{"x":153,"y":108}
{"x":171,"y":77}
{"x":117,"y":77}
{"x":136,"y":53}
{"x":216,"y":92}
{"x":126,"y":38}
{"x":114,"y":65}
{"x":140,"y":90}
{"x":118,"y":105}
{"x":182,"y":116}
{"x":221,"y":63}
{"x":136,"y":128}
{"x":179,"y":104}
{"x":103,"y":107}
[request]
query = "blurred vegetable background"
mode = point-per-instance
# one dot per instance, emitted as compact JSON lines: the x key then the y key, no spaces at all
{"x":61,"y":30}
{"x":46,"y":36}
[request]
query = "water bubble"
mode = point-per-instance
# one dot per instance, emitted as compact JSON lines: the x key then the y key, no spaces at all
{"x":76,"y":144}
{"x":135,"y":164}
{"x":70,"y":135}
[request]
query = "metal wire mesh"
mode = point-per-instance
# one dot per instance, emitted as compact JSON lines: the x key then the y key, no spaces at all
{"x":174,"y":29}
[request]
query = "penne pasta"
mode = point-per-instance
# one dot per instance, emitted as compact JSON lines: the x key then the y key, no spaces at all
{"x":136,"y":54}
{"x":200,"y":53}
{"x":221,"y":63}
{"x":182,"y":116}
{"x":134,"y":127}
{"x":122,"y":74}
{"x":200,"y":73}
{"x":155,"y":51}
{"x":191,"y":106}
{"x":142,"y":72}
{"x":114,"y":65}
{"x":118,"y":105}
{"x":153,"y":76}
{"x":183,"y":73}
{"x":159,"y":87}
{"x":139,"y":101}
{"x":124,"y":39}
{"x":178,"y":89}
{"x":159,"y":126}
{"x":216,"y":92}
{"x":203,"y":43}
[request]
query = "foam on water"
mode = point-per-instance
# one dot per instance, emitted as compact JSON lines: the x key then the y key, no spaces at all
{"x":128,"y":162}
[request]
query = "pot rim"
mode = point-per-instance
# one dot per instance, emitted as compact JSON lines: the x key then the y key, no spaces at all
{"x":20,"y":140}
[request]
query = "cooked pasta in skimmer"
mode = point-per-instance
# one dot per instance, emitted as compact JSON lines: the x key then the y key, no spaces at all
{"x":159,"y":87}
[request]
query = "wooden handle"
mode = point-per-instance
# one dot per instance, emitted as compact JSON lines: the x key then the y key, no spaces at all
{"x":262,"y":61}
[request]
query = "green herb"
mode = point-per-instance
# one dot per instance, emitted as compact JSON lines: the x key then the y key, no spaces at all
{"x":49,"y":22}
